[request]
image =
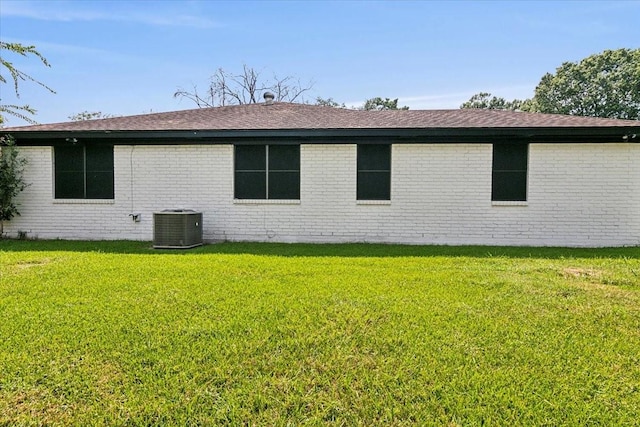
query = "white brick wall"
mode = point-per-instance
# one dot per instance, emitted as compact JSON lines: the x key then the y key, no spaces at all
{"x":578,"y":195}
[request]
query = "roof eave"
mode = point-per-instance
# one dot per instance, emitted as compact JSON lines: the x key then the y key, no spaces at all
{"x":396,"y":135}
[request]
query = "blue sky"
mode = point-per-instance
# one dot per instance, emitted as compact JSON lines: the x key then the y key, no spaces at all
{"x":129,"y":57}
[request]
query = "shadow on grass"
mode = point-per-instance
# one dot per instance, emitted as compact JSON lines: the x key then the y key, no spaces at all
{"x":320,"y":250}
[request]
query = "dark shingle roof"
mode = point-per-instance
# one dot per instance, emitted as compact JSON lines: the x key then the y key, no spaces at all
{"x":280,"y":116}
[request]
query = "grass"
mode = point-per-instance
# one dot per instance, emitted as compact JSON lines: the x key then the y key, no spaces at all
{"x":115,"y":333}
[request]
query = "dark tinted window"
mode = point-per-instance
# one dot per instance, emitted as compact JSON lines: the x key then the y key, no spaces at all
{"x":284,"y":185}
{"x":83,"y":172}
{"x":509,"y":180}
{"x":284,"y":157}
{"x":250,"y":185}
{"x":251,"y":157}
{"x":99,"y":161}
{"x":69,"y":172}
{"x":374,"y":172}
{"x":267,"y":172}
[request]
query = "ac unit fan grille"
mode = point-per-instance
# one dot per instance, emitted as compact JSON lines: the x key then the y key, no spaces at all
{"x":177,"y":229}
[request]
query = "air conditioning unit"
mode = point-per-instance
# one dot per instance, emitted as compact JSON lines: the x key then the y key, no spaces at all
{"x":177,"y":229}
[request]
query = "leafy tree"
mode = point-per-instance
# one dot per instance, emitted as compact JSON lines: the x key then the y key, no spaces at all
{"x":89,"y":115}
{"x":11,"y":181}
{"x":601,"y":85}
{"x":11,"y":163}
{"x":380,"y":104}
{"x":377,"y":104}
{"x":329,"y":102}
{"x":486,"y":101}
{"x":21,"y":111}
{"x":226,"y":88}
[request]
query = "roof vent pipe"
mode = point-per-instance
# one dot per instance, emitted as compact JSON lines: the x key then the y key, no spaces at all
{"x":268,"y":98}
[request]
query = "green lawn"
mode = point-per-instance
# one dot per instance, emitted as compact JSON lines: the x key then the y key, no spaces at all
{"x":115,"y":333}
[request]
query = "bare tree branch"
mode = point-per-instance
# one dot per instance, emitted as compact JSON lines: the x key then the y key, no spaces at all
{"x":193,"y":96}
{"x":226,"y":88}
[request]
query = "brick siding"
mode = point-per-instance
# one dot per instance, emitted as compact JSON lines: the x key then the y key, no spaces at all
{"x":578,"y":195}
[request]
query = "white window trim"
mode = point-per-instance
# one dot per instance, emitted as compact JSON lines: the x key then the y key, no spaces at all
{"x":83,"y":201}
{"x":373,"y":202}
{"x":509,"y":203}
{"x":266,"y":202}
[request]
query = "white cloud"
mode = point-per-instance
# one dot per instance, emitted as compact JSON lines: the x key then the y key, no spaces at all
{"x":72,"y":12}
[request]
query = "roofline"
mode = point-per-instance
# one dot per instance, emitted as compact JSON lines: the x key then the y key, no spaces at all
{"x":396,"y":135}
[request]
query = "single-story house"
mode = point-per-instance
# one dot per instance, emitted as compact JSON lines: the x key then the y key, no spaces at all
{"x":288,"y":172}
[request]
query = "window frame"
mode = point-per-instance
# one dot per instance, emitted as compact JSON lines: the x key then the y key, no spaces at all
{"x":510,"y":184}
{"x":368,"y":179}
{"x":95,"y":173}
{"x":270,"y":169}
